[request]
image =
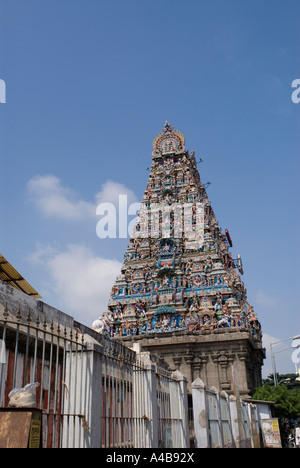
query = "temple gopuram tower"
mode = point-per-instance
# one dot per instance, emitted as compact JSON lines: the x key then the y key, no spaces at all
{"x":180,"y":293}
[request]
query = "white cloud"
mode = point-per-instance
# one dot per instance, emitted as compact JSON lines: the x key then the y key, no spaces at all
{"x":55,"y":200}
{"x":42,"y":254}
{"x":52,"y":199}
{"x":110,"y":192}
{"x":78,"y":281}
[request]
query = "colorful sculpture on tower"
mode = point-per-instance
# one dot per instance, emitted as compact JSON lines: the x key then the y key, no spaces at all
{"x":178,"y":273}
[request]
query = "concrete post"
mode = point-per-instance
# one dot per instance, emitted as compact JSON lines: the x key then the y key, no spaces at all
{"x":225,"y":417}
{"x":234,"y":420}
{"x":200,"y":414}
{"x":145,"y":410}
{"x":151,"y":402}
{"x":253,"y":425}
{"x":179,"y":402}
{"x":82,"y":415}
{"x":214,"y":416}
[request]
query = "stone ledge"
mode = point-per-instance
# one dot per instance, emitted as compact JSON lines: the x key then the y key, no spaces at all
{"x":209,"y":336}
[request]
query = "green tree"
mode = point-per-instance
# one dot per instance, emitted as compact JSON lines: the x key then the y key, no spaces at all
{"x":289,"y":380}
{"x":287,"y":400}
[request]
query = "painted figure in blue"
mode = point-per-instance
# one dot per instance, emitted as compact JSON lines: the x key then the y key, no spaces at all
{"x":153,"y":323}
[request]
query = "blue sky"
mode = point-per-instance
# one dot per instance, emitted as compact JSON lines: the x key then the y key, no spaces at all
{"x":91,"y":83}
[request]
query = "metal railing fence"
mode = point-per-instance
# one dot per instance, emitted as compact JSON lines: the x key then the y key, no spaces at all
{"x":94,"y":391}
{"x":35,"y":351}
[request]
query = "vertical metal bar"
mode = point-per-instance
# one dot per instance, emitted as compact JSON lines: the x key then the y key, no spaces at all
{"x":177,"y":411}
{"x":173,"y":427}
{"x":75,"y":418}
{"x":167,"y":405}
{"x":64,"y":386}
{"x":131,"y":389}
{"x":164,"y":411}
{"x":105,"y":412}
{"x":69,"y":383}
{"x":115,"y":404}
{"x":37,"y":323}
{"x":43,"y":363}
{"x":56,"y":387}
{"x":167,"y":411}
{"x":107,"y":409}
{"x":84,"y":376}
{"x":181,"y":413}
{"x":82,"y":382}
{"x":134,"y":404}
{"x":109,"y":402}
{"x":28,"y":319}
{"x":162,"y":415}
{"x":112,"y":403}
{"x":120,"y":407}
{"x":5,"y":314}
{"x":168,"y":396}
{"x":49,"y":382}
{"x":174,"y":412}
{"x":158,"y":408}
{"x":85,"y":380}
{"x":127,"y":435}
{"x":104,"y":401}
{"x":107,"y":417}
{"x":143,"y":409}
{"x":118,"y":404}
{"x":134,"y":413}
{"x":138,"y":391}
{"x":129,"y":406}
{"x":125,"y":408}
{"x":18,"y":317}
{"x":123,"y":421}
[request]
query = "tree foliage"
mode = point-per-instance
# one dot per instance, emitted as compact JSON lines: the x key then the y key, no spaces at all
{"x":286,"y":396}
